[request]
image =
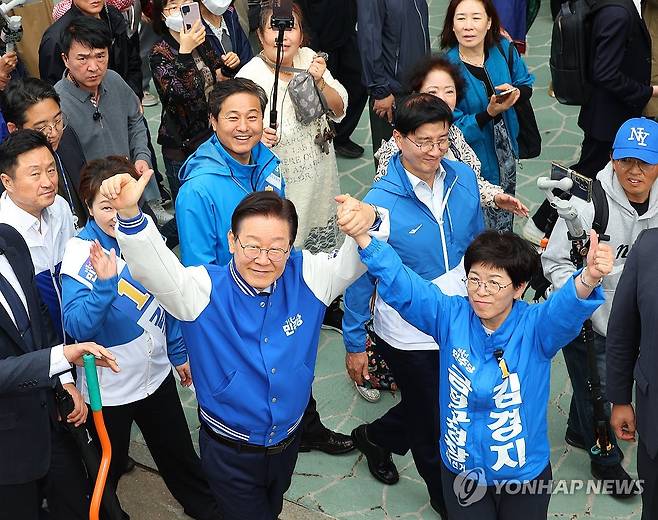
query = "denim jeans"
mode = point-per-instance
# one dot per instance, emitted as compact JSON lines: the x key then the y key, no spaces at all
{"x":581,"y":410}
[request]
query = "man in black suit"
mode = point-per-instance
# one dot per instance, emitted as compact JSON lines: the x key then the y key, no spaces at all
{"x":620,"y":73}
{"x":632,"y":354}
{"x":33,"y":103}
{"x":37,"y":453}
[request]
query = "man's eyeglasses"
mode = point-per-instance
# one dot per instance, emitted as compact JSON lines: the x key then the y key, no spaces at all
{"x":626,"y":164}
{"x":275,"y":254}
{"x":491,"y":287}
{"x":59,"y":124}
{"x":428,"y":146}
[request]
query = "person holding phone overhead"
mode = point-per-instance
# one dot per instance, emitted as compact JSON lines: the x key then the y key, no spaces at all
{"x":471,"y":35}
{"x":185,"y":66}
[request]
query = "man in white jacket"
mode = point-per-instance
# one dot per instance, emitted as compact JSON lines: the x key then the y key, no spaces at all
{"x":627,"y":181}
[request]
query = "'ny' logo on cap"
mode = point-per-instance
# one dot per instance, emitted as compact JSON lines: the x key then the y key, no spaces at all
{"x":639,"y":135}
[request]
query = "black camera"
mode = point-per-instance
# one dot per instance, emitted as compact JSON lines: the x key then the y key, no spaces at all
{"x":282,"y":15}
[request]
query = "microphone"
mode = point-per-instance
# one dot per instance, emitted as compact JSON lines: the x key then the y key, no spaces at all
{"x":97,"y":115}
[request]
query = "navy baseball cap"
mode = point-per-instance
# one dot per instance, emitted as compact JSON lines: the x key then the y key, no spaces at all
{"x":637,"y":138}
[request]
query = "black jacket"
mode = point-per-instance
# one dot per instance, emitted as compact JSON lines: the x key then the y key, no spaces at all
{"x":632,"y":339}
{"x":124,"y":54}
{"x":27,"y":406}
{"x":620,"y":70}
{"x":393,"y":35}
{"x":332,"y":23}
{"x":70,"y":164}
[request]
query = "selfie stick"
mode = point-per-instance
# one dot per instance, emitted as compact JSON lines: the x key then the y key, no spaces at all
{"x":281,"y":20}
{"x":106,"y":448}
{"x":579,"y":250}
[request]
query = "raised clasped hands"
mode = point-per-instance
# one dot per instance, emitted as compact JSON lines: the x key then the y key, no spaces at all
{"x":355,"y":218}
{"x":124,"y":191}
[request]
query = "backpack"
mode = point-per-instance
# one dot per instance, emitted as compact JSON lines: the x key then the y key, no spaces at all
{"x":571,"y":49}
{"x":539,"y":283}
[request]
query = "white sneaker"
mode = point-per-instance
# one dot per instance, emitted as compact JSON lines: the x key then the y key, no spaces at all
{"x":161,"y":214}
{"x":149,"y":100}
{"x":371,"y":395}
{"x":532,"y":233}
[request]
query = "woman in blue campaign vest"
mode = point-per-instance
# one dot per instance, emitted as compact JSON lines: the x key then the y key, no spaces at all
{"x":108,"y":306}
{"x":496,"y":353}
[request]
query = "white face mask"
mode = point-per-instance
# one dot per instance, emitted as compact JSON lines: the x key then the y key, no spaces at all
{"x":175,"y":22}
{"x":217,"y":7}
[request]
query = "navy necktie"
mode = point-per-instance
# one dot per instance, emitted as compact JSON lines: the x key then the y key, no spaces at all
{"x":18,"y":310}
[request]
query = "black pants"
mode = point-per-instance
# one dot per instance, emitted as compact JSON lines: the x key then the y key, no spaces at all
{"x":581,"y":409}
{"x":311,"y":427}
{"x":162,"y":422}
{"x":647,"y":471}
{"x":508,"y":504}
{"x":345,"y":65}
{"x":247,"y":485}
{"x":594,"y":155}
{"x":65,"y":486}
{"x":381,"y":129}
{"x":413,"y":423}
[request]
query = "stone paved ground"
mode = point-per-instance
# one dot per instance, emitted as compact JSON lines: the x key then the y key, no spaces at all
{"x":341,"y":486}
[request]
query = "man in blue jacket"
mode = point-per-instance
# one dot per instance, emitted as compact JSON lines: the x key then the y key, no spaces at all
{"x":393,"y":35}
{"x":252,"y":329}
{"x":228,"y":166}
{"x":434,"y":211}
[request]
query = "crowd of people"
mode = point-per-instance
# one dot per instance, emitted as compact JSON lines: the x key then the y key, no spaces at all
{"x":224,"y":270}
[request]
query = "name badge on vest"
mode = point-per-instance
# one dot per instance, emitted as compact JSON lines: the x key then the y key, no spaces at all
{"x":274,"y":178}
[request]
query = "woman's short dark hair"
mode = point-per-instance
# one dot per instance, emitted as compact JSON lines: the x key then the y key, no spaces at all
{"x":18,"y":143}
{"x":418,"y":109}
{"x":95,"y":172}
{"x":157,"y":17}
{"x":90,"y":32}
{"x":267,"y":204}
{"x":226,"y":88}
{"x":418,"y":73}
{"x":448,"y":38}
{"x":503,"y":250}
{"x":22,"y":94}
{"x":266,"y":16}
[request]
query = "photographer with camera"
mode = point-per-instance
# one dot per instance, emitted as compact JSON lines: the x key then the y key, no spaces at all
{"x":628,"y":207}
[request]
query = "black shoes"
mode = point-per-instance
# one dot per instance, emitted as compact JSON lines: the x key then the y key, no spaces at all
{"x":333,"y":317}
{"x":349,"y":149}
{"x":333,"y":444}
{"x":616,"y":481}
{"x":380,"y":463}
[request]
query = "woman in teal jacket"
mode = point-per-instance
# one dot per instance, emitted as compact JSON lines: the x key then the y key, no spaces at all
{"x":490,"y":66}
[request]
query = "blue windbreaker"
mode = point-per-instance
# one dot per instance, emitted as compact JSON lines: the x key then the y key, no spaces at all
{"x":213,"y":184}
{"x":488,"y":421}
{"x":415,"y":234}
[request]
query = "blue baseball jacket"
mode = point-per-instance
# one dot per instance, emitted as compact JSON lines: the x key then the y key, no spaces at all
{"x":416,"y":235}
{"x":252,"y":355}
{"x":213,"y":184}
{"x":489,"y":419}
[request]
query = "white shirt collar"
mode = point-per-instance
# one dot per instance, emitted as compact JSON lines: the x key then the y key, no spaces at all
{"x":19,"y":218}
{"x":439,"y":176}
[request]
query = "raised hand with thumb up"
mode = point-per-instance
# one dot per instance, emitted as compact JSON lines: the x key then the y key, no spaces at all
{"x":124,"y":191}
